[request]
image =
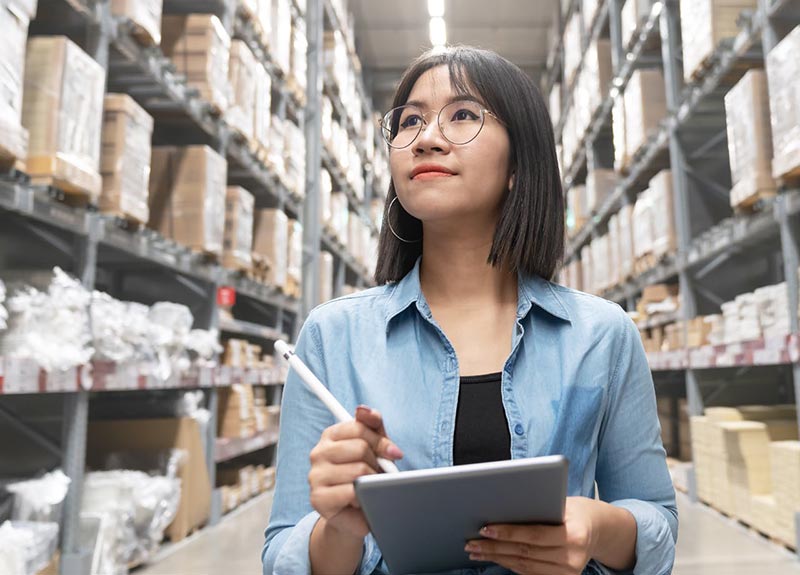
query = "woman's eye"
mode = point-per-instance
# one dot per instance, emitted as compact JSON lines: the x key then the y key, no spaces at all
{"x":464,"y":115}
{"x":410,"y":122}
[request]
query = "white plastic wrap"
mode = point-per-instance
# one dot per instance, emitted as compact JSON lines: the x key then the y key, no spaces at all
{"x":204,"y":343}
{"x":121,"y":330}
{"x":171,"y":324}
{"x":50,"y":327}
{"x":39,"y":499}
{"x":142,"y":505}
{"x":26,"y":548}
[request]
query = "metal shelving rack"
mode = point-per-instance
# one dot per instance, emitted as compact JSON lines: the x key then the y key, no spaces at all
{"x":138,"y":264}
{"x":743,"y":251}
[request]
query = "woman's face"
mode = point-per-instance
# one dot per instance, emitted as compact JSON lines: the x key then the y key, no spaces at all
{"x":467,"y":181}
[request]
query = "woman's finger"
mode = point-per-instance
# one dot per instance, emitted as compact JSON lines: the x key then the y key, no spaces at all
{"x":327,"y":475}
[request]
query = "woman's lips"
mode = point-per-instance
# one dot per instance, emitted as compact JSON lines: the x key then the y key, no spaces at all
{"x":431,"y":175}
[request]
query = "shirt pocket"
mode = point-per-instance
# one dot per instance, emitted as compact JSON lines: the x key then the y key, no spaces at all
{"x":578,"y":415}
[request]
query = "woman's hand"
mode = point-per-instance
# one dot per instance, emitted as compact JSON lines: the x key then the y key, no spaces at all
{"x":346,"y":451}
{"x":542,"y":549}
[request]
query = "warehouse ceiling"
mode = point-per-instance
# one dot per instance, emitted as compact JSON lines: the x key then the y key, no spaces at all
{"x":391,"y":33}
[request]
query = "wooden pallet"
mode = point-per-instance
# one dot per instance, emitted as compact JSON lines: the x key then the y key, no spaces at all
{"x":79,"y":182}
{"x":752,"y":189}
{"x":125,"y":221}
{"x":787,"y":168}
{"x":754,"y":201}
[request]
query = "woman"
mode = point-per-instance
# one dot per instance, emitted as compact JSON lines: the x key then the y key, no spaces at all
{"x":470,"y":353}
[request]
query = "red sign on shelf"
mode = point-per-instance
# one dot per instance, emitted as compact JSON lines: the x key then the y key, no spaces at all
{"x":226,"y":297}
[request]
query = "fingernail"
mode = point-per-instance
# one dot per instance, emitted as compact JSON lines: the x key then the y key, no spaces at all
{"x":394,"y":452}
{"x":471,"y":547}
{"x":488,"y":532}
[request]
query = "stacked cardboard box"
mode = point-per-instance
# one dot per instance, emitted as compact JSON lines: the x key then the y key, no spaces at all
{"x":237,"y":244}
{"x":625,"y":245}
{"x":63,"y":113}
{"x":699,"y":425}
{"x":596,"y":74}
{"x":236,"y":414}
{"x":294,"y":259}
{"x":325,"y":276}
{"x":644,"y":217}
{"x":685,"y":445}
{"x":325,"y":192}
{"x":340,"y":217}
{"x":704,"y":24}
{"x":281,"y":38}
{"x":239,"y":484}
{"x":572,"y":48}
{"x":297,"y":77}
{"x":262,"y":116}
{"x":634,"y":14}
{"x":276,"y":146}
{"x":125,"y":161}
{"x":674,"y":338}
{"x":589,"y":12}
{"x":570,"y":138}
{"x":658,"y":299}
{"x":187,"y":196}
{"x":622,"y":156}
{"x":199,"y":47}
{"x":242,"y":72}
{"x":783,"y":73}
{"x":555,"y":104}
{"x":295,"y":158}
{"x":600,"y":184}
{"x":664,"y":233}
{"x":785,"y":466}
{"x":699,"y":330}
{"x":716,"y":329}
{"x":754,"y":315}
{"x":749,"y":139}
{"x":271,"y":241}
{"x":772,"y":302}
{"x":144,"y":14}
{"x":645,"y":107}
{"x":242,"y":354}
{"x":14,"y":22}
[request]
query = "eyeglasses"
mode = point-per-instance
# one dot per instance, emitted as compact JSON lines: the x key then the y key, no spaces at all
{"x":460,"y":122}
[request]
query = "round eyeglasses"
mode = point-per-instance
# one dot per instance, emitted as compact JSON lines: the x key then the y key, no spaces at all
{"x":460,"y":122}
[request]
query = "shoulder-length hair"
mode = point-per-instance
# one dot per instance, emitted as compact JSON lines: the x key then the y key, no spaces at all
{"x":530,"y":231}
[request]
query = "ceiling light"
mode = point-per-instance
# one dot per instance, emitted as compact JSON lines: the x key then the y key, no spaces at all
{"x":438,"y":31}
{"x":436,"y":8}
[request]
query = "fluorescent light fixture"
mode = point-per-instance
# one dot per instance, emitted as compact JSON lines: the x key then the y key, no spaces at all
{"x":436,"y":8}
{"x":438,"y":30}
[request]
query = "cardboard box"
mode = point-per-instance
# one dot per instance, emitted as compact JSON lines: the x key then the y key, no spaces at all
{"x":326,"y":276}
{"x":63,"y":113}
{"x":13,"y":137}
{"x":572,"y":48}
{"x":281,"y":37}
{"x":643,"y":224}
{"x":783,"y":73}
{"x":125,"y":161}
{"x":153,"y":435}
{"x":598,"y":75}
{"x":659,"y":292}
{"x":785,"y":469}
{"x":144,"y":14}
{"x":634,"y":14}
{"x":600,"y":184}
{"x":199,"y":47}
{"x":704,"y":24}
{"x":645,"y":107}
{"x":626,"y":256}
{"x":298,"y":60}
{"x":699,"y":330}
{"x":262,"y":114}
{"x":187,"y":196}
{"x":555,"y":104}
{"x":242,"y":70}
{"x":749,"y":138}
{"x":664,"y":236}
{"x":622,"y":156}
{"x":237,"y":245}
{"x":236,"y":411}
{"x":271,"y":240}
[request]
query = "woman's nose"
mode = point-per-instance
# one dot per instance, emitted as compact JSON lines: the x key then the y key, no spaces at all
{"x":430,"y":138}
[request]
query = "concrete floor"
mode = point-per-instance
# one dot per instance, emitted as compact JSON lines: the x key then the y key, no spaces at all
{"x":708,"y":545}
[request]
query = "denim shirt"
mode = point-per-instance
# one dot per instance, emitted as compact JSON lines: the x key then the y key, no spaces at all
{"x":576,"y":383}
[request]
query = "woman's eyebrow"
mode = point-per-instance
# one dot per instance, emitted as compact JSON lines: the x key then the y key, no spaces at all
{"x":457,"y":98}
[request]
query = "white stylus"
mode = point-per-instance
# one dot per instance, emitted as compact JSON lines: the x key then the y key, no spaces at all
{"x":322,"y":392}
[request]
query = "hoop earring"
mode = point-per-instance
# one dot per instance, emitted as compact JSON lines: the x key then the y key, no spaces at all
{"x":391,"y":229}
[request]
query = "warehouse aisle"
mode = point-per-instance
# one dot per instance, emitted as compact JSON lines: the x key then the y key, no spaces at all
{"x":709,"y":545}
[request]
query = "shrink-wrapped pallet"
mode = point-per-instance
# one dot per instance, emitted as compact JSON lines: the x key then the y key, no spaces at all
{"x":237,"y":244}
{"x":125,"y":161}
{"x":63,"y":113}
{"x":783,"y":72}
{"x":187,"y":196}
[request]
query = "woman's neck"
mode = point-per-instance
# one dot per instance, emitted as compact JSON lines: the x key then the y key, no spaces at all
{"x":455,"y":272}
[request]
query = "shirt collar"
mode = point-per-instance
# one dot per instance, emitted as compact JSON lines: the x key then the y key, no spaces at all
{"x":533,"y":291}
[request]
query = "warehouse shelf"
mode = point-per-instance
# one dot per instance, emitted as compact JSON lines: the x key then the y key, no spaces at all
{"x":24,"y":376}
{"x":658,"y":320}
{"x":356,"y":204}
{"x":226,"y":449}
{"x":552,"y":77}
{"x":333,"y":22}
{"x":249,"y":329}
{"x":270,"y":295}
{"x":38,"y":203}
{"x":660,"y":273}
{"x":332,"y":92}
{"x":782,"y":350}
{"x":336,"y":248}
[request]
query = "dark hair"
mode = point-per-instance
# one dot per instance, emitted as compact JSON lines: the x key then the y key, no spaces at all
{"x":530,"y":231}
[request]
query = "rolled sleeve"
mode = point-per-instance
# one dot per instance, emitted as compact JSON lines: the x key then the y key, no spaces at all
{"x":632,"y":472}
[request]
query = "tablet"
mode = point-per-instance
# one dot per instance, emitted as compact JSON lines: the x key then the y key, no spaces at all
{"x":422,"y":519}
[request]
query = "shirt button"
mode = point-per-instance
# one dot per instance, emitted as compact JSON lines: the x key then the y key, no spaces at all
{"x":518,"y":429}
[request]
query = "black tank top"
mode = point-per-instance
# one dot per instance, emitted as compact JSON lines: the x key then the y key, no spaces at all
{"x":481,"y":427}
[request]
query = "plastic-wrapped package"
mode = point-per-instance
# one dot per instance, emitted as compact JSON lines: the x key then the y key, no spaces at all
{"x":187,"y":196}
{"x":572,"y":47}
{"x":199,"y":47}
{"x":39,"y":499}
{"x":299,"y":47}
{"x":145,"y":14}
{"x":63,"y":112}
{"x":665,"y":237}
{"x":270,"y":239}
{"x":262,"y":116}
{"x":120,"y":330}
{"x":13,"y":137}
{"x":50,"y":327}
{"x":125,"y":162}
{"x":295,"y":158}
{"x":783,"y":73}
{"x":645,"y":107}
{"x":242,"y":76}
{"x":237,"y":247}
{"x":171,"y":324}
{"x":3,"y":311}
{"x":281,"y":36}
{"x":203,"y":343}
{"x":26,"y":547}
{"x":643,"y":224}
{"x":143,"y":505}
